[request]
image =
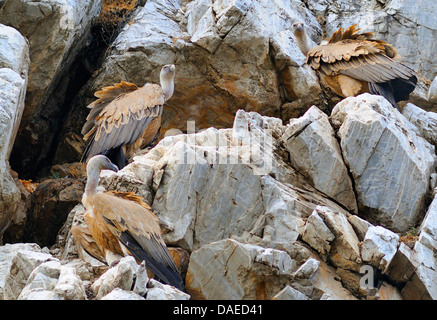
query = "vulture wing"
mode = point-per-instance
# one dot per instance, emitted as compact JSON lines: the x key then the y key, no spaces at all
{"x":121,"y":115}
{"x":82,"y":236}
{"x":360,"y":57}
{"x":137,"y":228}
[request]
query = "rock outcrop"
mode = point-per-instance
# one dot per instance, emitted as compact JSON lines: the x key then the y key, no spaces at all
{"x":265,"y":185}
{"x":14,"y":66}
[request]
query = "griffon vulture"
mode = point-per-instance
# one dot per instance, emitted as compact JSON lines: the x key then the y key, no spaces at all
{"x":125,"y":118}
{"x":120,"y":226}
{"x":352,"y":63}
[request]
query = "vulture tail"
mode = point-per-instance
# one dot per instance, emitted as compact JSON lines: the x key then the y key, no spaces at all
{"x":394,"y":90}
{"x":163,"y":272}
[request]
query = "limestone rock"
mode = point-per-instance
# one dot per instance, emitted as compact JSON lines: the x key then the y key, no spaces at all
{"x":379,"y":247}
{"x":345,"y":252}
{"x":382,"y":151}
{"x":317,"y":234}
{"x":159,"y":291}
{"x":14,"y":64}
{"x":426,"y":122}
{"x":120,"y":276}
{"x":289,"y":293}
{"x":17,"y":261}
{"x":42,"y":279}
{"x":227,"y":269}
{"x":120,"y":294}
{"x":315,"y":152}
{"x":432,"y":92}
{"x":52,"y":201}
{"x":69,"y":286}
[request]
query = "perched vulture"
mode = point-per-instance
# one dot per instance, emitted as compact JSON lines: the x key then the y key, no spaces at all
{"x":352,"y":63}
{"x":120,"y":226}
{"x":125,"y":118}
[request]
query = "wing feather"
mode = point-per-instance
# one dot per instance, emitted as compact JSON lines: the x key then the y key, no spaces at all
{"x":122,"y":120}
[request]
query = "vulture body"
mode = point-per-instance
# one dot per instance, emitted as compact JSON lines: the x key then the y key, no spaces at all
{"x":352,"y":63}
{"x":123,"y":226}
{"x":126,"y":118}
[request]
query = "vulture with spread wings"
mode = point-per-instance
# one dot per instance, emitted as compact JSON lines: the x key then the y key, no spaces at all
{"x":123,"y":225}
{"x":352,"y":63}
{"x":126,"y":118}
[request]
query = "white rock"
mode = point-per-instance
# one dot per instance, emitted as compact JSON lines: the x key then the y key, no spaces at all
{"x":379,"y":247}
{"x":315,"y":152}
{"x":69,"y":286}
{"x":317,"y":234}
{"x":17,"y":261}
{"x":383,"y":150}
{"x":14,"y":51}
{"x":426,"y":122}
{"x":14,"y":65}
{"x":307,"y":270}
{"x":159,"y":291}
{"x":345,"y":251}
{"x":141,"y":280}
{"x":228,"y":269}
{"x":432,"y":91}
{"x":289,"y":293}
{"x":119,"y":276}
{"x":42,"y":280}
{"x":120,"y":294}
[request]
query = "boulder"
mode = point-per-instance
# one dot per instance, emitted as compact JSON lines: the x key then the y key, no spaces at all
{"x":52,"y":201}
{"x":314,"y":151}
{"x":159,"y":291}
{"x":17,"y":262}
{"x":120,"y":276}
{"x":379,"y":247}
{"x":345,"y":251}
{"x":425,"y":122}
{"x":120,"y":294}
{"x":230,"y":270}
{"x":383,"y":150}
{"x":53,"y":281}
{"x":14,"y":65}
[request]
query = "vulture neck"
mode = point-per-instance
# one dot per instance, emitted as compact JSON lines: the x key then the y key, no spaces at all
{"x":167,"y":85}
{"x":93,"y":176}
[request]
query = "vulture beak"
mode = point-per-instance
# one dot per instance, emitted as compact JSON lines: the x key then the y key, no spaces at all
{"x":111,"y":167}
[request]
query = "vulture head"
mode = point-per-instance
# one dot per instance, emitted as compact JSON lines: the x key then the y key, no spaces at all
{"x":167,"y":80}
{"x":298,"y":28}
{"x":93,"y":168}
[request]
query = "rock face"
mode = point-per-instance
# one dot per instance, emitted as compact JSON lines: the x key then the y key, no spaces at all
{"x":270,"y":194}
{"x":222,"y":50}
{"x":315,"y":152}
{"x":57,"y":31}
{"x":381,"y":149}
{"x":14,"y":64}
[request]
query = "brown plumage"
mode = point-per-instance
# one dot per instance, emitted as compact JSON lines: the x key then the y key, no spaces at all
{"x":126,"y":117}
{"x":352,"y":63}
{"x":124,"y":225}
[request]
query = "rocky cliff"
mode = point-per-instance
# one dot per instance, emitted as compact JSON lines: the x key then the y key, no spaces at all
{"x":266,"y":185}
